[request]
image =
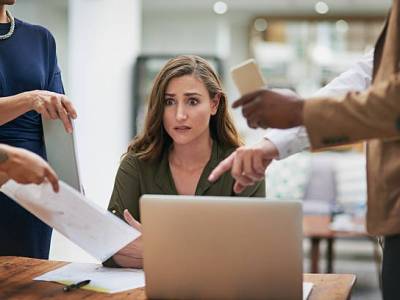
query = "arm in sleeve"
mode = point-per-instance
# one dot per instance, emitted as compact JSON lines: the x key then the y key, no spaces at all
{"x":288,"y":141}
{"x":357,"y":78}
{"x":126,"y":194}
{"x":54,"y":82}
{"x":356,"y":116}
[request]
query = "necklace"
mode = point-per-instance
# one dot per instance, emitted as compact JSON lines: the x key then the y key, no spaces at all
{"x":12,"y":27}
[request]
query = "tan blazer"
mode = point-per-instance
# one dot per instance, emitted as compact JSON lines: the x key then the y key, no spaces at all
{"x":372,"y":115}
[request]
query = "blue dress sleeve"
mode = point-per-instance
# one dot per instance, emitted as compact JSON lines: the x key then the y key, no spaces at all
{"x":54,"y":81}
{"x":56,"y":84}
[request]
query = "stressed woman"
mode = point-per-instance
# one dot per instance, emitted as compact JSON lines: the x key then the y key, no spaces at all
{"x":30,"y":87}
{"x":188,"y":131}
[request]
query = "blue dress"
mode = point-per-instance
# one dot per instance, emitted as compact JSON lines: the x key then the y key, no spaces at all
{"x":27,"y":62}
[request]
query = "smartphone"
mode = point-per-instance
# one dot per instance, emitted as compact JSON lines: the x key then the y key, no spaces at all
{"x":247,"y":77}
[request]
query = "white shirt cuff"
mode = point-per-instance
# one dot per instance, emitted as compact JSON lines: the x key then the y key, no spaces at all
{"x":288,"y":141}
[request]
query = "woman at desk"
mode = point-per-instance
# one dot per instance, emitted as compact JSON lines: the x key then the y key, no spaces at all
{"x":188,"y":131}
{"x":30,"y":87}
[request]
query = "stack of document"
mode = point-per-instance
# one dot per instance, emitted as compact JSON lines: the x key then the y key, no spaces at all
{"x":94,"y":229}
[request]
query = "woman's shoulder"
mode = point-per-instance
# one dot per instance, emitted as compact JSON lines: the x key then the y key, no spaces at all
{"x":130,"y":158}
{"x":34,"y":28}
{"x":133,"y":160}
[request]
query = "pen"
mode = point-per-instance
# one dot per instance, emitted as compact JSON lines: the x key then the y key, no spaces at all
{"x":76,"y":285}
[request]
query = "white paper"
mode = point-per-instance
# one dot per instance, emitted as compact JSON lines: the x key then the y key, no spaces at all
{"x":91,"y":227}
{"x":108,"y":280}
{"x":111,"y":280}
{"x":307,"y":287}
{"x":346,"y":222}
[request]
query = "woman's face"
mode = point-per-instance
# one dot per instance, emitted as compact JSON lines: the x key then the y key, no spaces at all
{"x":187,"y":109}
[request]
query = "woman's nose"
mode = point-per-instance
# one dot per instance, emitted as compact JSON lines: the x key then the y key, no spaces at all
{"x":181,"y":114}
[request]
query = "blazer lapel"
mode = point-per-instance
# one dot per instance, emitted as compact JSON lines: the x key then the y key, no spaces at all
{"x":379,"y":49}
{"x":387,"y":47}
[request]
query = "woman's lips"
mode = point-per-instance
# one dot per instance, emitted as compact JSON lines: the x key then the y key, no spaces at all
{"x":182,"y":128}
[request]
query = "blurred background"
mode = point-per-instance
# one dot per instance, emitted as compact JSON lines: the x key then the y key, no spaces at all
{"x":109,"y":52}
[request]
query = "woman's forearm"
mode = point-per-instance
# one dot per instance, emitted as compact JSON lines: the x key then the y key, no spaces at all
{"x":14,"y":106}
{"x":4,"y":155}
{"x":3,"y":178}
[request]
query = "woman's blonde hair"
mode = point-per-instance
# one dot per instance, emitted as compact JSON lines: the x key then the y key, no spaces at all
{"x":153,"y":139}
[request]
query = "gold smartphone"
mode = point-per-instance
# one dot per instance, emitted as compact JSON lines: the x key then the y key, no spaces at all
{"x":247,"y":77}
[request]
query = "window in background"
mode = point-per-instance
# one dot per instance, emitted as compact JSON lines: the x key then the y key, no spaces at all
{"x":306,"y":53}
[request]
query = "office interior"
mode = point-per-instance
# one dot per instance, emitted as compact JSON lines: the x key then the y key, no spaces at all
{"x":109,"y":52}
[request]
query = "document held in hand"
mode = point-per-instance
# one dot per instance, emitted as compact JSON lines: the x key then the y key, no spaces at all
{"x":94,"y":229}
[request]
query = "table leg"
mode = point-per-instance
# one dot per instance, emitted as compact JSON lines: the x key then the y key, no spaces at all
{"x":315,"y":241}
{"x":329,"y":255}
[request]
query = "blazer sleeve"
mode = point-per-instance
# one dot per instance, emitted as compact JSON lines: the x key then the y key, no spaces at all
{"x":126,"y":194}
{"x":374,"y":113}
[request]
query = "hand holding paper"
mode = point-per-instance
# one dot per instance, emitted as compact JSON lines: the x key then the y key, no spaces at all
{"x":91,"y":227}
{"x":131,"y":256}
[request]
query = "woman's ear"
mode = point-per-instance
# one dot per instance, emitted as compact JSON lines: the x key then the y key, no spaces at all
{"x":214,"y":104}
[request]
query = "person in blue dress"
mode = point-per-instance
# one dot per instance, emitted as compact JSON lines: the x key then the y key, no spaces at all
{"x":30,"y":88}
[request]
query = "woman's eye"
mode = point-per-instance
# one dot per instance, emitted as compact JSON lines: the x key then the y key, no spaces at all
{"x":193,"y":101}
{"x":169,"y":101}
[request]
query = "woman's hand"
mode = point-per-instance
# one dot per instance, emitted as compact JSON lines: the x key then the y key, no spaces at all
{"x":53,"y":106}
{"x":25,"y":167}
{"x":131,"y":256}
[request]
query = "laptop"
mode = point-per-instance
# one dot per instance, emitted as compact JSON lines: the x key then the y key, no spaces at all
{"x":61,"y":152}
{"x":221,"y":247}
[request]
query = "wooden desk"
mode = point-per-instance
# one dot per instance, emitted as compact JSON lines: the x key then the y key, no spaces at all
{"x":16,"y":274}
{"x":316,"y":227}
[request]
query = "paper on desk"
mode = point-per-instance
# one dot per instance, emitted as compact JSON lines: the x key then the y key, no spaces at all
{"x":110,"y":280}
{"x":106,"y":280}
{"x":307,"y":287}
{"x":345,"y":222}
{"x":91,"y":227}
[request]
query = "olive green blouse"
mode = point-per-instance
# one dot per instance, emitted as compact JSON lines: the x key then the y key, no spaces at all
{"x":136,"y":177}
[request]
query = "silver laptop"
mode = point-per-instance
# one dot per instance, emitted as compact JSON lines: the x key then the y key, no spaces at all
{"x":221,"y":247}
{"x":61,"y":152}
